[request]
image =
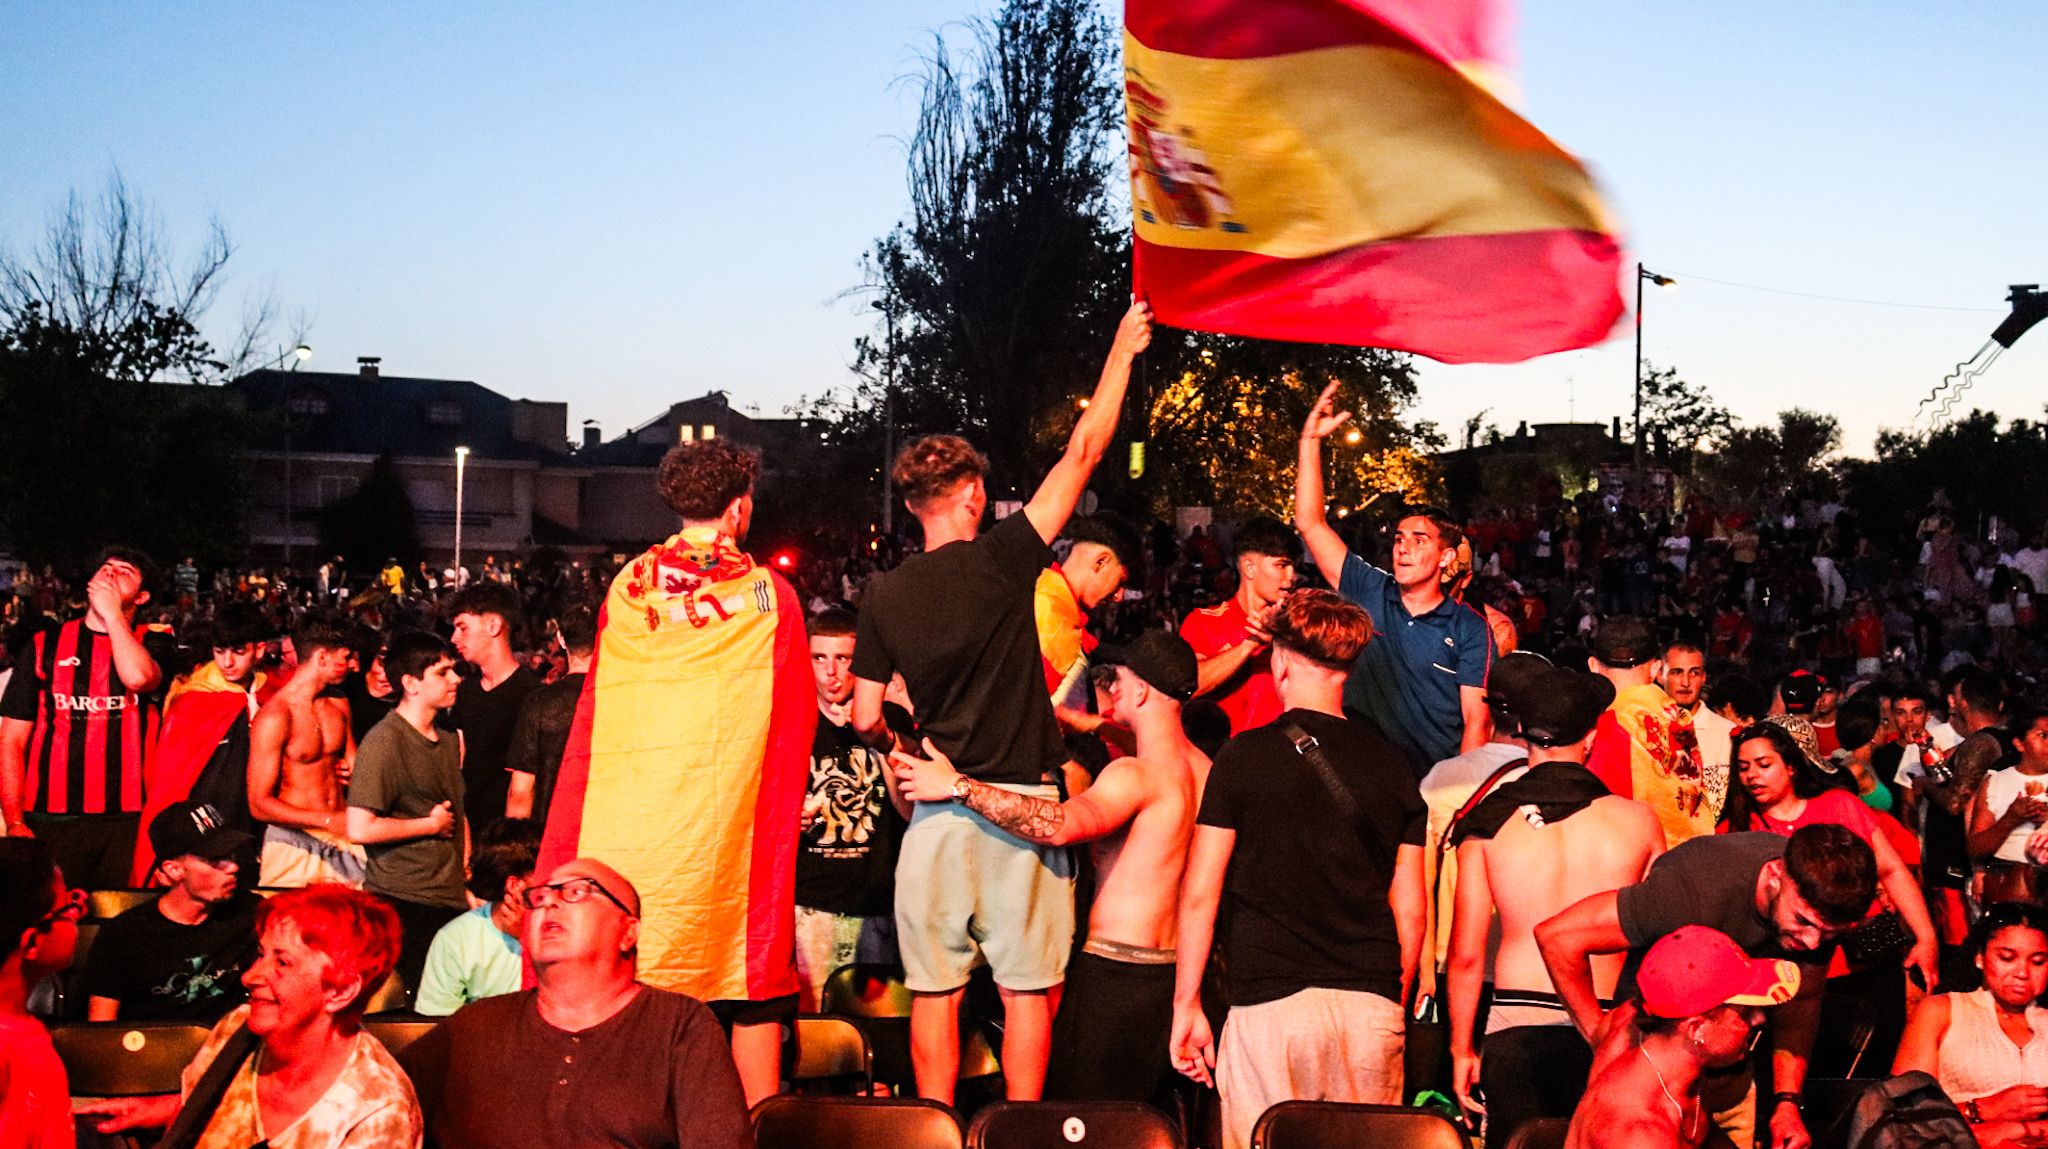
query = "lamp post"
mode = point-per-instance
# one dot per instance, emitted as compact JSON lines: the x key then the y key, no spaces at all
{"x":461,"y":463}
{"x":888,"y":418}
{"x":297,"y":355}
{"x":1669,"y":284}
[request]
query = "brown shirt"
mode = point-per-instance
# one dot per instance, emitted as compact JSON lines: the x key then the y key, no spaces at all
{"x":657,"y":1074}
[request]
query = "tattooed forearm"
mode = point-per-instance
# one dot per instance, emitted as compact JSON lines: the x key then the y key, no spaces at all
{"x":1033,"y":819}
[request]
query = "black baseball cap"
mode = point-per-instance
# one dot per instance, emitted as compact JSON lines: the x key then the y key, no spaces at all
{"x":1625,"y":641}
{"x":1161,"y":658}
{"x":194,"y":828}
{"x":1514,"y":671}
{"x":1559,"y":706}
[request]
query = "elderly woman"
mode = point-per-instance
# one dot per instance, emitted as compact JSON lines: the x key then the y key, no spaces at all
{"x":293,"y":1068}
{"x":1989,"y":1048}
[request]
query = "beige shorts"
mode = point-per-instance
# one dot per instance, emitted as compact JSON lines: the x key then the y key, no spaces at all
{"x":969,"y":892}
{"x":293,"y":857}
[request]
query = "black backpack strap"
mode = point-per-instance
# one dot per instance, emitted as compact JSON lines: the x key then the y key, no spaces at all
{"x":207,"y":1093}
{"x":1311,"y":752}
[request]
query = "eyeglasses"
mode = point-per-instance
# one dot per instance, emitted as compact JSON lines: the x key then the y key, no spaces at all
{"x":71,"y":909}
{"x":569,"y":893}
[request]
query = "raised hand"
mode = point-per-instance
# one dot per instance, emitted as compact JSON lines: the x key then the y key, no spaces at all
{"x":1324,"y":417}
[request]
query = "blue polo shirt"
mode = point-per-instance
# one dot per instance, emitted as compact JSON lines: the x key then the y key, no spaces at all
{"x":1408,"y":676}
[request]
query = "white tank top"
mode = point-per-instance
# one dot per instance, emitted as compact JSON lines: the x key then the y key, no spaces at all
{"x":2001,"y":787}
{"x":1977,"y":1059}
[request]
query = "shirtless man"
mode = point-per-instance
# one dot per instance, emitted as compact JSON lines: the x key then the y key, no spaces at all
{"x":1529,"y":849}
{"x":1109,"y":1041}
{"x":301,"y":750}
{"x":1701,"y":1002}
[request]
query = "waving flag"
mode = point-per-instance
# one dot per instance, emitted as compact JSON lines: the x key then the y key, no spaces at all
{"x":687,"y":763}
{"x":1342,"y":171}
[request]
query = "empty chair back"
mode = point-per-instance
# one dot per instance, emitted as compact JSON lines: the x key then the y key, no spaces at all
{"x":793,"y":1122}
{"x":113,"y":903}
{"x":1543,"y":1133}
{"x":1336,"y":1125}
{"x":398,"y":1032}
{"x":832,"y":1049}
{"x":391,"y":996}
{"x":867,"y":990}
{"x":126,"y":1059}
{"x":1072,"y":1125}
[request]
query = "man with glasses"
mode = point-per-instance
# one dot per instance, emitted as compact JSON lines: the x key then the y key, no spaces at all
{"x":591,"y":1056}
{"x":181,"y":956}
{"x":1777,"y":896}
{"x":38,"y":934}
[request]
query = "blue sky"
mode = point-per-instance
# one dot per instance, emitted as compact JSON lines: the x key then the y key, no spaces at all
{"x":623,"y":205}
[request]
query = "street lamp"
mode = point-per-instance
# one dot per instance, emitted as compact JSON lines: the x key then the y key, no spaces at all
{"x":1643,"y":275}
{"x":461,"y":462}
{"x":888,"y":418}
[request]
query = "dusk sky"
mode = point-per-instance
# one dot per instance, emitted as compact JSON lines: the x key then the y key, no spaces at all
{"x":626,"y":205}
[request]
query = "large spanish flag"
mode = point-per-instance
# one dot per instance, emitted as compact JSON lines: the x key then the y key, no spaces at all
{"x":1343,"y":171}
{"x":200,"y":710}
{"x":687,"y":762}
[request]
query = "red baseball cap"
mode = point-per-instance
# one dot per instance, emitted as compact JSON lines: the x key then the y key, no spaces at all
{"x":1692,"y":969}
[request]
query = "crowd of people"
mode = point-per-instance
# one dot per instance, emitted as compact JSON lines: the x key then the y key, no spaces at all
{"x":1594,"y":797}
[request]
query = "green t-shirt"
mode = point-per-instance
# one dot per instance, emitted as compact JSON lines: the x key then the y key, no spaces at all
{"x":470,"y":959}
{"x":401,"y":773}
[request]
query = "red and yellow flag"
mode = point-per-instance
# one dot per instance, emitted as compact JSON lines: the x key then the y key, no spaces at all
{"x":200,"y":710}
{"x":687,"y":763}
{"x":1343,"y":171}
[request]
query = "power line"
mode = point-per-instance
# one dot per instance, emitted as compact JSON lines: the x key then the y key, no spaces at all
{"x":1687,"y":275}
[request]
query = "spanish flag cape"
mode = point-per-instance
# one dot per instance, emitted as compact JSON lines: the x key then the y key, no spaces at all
{"x":1346,"y":171}
{"x":687,"y":763}
{"x":199,"y":710}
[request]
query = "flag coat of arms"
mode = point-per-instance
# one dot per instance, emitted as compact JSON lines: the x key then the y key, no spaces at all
{"x":687,"y":763}
{"x":1344,"y":171}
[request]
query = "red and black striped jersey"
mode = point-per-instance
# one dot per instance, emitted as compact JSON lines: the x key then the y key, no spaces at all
{"x":92,"y":733}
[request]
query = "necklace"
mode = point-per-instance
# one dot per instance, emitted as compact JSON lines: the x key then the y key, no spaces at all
{"x":1683,"y":1133}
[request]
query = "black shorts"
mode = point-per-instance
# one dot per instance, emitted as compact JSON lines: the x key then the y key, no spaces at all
{"x":1109,"y":1042}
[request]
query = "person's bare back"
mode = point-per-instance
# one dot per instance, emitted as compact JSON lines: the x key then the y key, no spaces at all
{"x":1533,"y":872}
{"x":1139,"y":867}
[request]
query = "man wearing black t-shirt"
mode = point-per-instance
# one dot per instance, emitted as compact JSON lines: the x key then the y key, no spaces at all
{"x":1310,"y":838}
{"x":852,"y":819}
{"x":957,"y":623}
{"x":76,"y":725}
{"x":488,"y":702}
{"x":542,"y":732}
{"x":181,"y":956}
{"x":1778,"y":897}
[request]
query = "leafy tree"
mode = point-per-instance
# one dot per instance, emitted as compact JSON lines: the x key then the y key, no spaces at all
{"x":1225,"y":423}
{"x":104,"y":437}
{"x":1680,"y":419}
{"x":374,"y":522}
{"x":1003,"y":285}
{"x":1984,"y":466}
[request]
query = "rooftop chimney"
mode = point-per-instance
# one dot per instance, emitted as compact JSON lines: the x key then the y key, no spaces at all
{"x":592,"y":433}
{"x":367,"y":364}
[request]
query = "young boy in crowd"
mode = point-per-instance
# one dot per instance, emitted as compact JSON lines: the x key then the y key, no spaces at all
{"x":405,"y":799}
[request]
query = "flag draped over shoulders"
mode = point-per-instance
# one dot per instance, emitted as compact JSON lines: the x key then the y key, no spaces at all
{"x":199,"y":711}
{"x":687,"y":761}
{"x":1345,"y":171}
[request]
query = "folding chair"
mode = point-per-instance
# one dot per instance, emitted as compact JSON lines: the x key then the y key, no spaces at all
{"x":876,"y":998}
{"x":1828,"y":1102}
{"x":399,"y":1030}
{"x":787,"y":1121}
{"x":70,"y":983}
{"x":391,"y":996}
{"x":103,"y":904}
{"x":1336,"y":1125}
{"x":126,"y":1059}
{"x":1542,"y":1133}
{"x":1072,"y":1125}
{"x":832,"y":1051}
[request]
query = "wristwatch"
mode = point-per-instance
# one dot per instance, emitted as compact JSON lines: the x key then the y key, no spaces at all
{"x":960,"y":783}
